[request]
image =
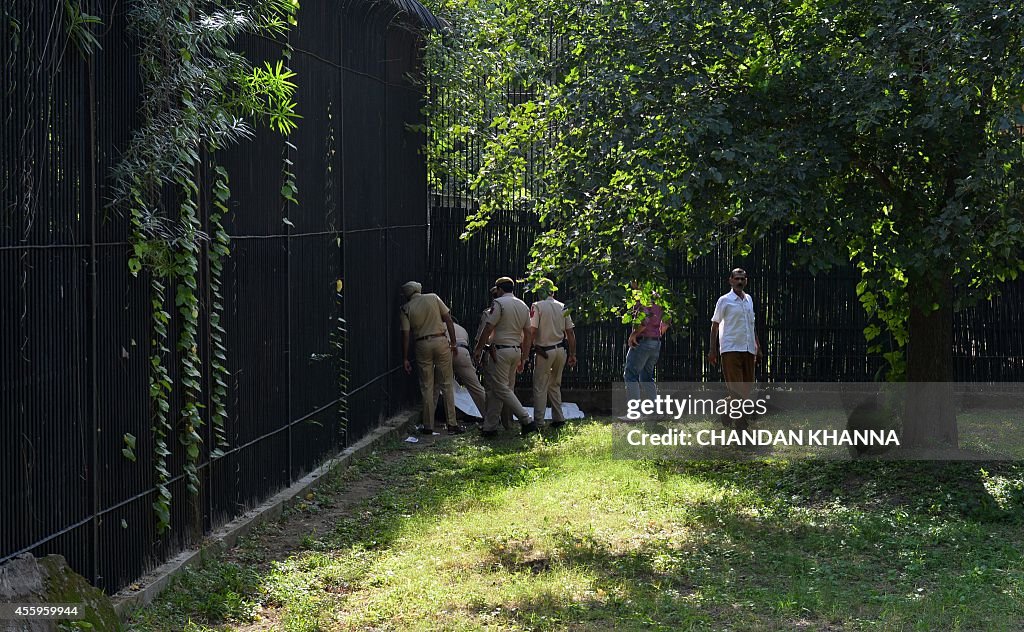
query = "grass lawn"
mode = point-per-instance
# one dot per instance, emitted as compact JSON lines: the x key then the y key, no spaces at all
{"x":553,"y":533}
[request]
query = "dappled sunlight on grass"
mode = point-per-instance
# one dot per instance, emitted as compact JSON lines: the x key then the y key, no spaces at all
{"x":555,"y":534}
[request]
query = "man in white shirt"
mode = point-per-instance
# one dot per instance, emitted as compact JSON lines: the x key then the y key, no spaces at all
{"x":734,"y":339}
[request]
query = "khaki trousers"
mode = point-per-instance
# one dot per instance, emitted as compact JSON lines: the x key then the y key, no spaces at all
{"x":501,"y":380}
{"x":487,"y":368}
{"x":738,"y":371}
{"x":433,"y":353}
{"x":465,"y":374}
{"x":547,"y":383}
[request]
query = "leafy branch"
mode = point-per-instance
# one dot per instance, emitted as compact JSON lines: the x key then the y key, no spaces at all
{"x":200,"y":96}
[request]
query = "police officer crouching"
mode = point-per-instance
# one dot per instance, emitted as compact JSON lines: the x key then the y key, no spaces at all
{"x":463,"y":369}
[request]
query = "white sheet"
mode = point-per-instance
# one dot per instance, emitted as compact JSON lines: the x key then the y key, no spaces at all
{"x":464,"y":402}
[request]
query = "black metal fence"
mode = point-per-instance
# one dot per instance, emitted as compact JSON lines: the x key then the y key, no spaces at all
{"x":310,"y":302}
{"x":812,"y":326}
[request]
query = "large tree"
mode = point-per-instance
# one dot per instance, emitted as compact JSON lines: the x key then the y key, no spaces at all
{"x":886,"y":134}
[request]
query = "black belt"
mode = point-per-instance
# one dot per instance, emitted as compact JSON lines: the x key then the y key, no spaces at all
{"x":546,"y":349}
{"x":466,"y":347}
{"x":427,"y":337}
{"x":506,"y":346}
{"x":648,"y":338}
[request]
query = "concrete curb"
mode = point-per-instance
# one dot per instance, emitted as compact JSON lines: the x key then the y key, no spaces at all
{"x":228,"y":535}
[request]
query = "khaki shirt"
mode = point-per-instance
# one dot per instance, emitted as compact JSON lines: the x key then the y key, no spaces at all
{"x":423,"y":315}
{"x":551,"y":321}
{"x":461,"y":335}
{"x":480,"y":329}
{"x":510,"y":316}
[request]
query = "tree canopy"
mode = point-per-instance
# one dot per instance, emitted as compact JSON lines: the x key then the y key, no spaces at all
{"x":886,"y":134}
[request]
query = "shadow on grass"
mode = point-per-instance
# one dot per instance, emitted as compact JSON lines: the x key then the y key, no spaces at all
{"x":984,"y":492}
{"x":419,"y":482}
{"x":633,"y":589}
{"x":887,"y":527}
{"x":905,"y":539}
{"x":429,"y":483}
{"x":779,"y":572}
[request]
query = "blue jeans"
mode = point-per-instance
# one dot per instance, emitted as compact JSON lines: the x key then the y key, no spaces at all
{"x":639,"y":371}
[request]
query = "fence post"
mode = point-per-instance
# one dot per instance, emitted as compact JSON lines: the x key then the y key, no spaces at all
{"x":91,"y":300}
{"x":386,"y":233}
{"x":205,"y":182}
{"x":343,"y":237}
{"x":288,"y":327}
{"x":286,"y":160}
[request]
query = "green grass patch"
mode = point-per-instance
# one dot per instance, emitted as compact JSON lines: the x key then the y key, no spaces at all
{"x":213,"y":592}
{"x":555,"y":534}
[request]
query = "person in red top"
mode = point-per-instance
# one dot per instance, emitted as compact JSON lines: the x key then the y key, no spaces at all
{"x":644,"y":349}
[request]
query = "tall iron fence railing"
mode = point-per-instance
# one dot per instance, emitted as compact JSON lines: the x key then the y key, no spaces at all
{"x":309,"y":303}
{"x":812,"y":326}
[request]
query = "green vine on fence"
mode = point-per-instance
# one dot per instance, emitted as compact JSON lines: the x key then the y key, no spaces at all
{"x":218,"y":354}
{"x":199,"y":96}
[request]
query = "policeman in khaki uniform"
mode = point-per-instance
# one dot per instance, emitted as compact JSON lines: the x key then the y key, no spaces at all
{"x":552,"y":334}
{"x":486,"y":361}
{"x":465,"y":372}
{"x":424,"y":319}
{"x":509,"y":320}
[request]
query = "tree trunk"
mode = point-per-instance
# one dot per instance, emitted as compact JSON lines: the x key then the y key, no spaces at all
{"x":929,"y":418}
